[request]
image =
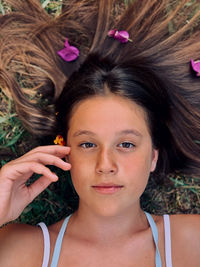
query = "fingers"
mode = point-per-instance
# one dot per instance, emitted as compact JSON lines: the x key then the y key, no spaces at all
{"x":14,"y":192}
{"x":35,"y":161}
{"x":56,"y":150}
{"x":41,"y":169}
{"x":47,"y":159}
{"x":26,"y":169}
{"x":38,"y":186}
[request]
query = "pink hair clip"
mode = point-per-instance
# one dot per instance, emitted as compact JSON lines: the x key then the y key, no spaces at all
{"x":122,"y":36}
{"x":196,"y":66}
{"x":69,"y":53}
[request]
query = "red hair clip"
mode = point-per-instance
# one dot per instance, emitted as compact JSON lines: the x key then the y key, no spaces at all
{"x":59,"y":140}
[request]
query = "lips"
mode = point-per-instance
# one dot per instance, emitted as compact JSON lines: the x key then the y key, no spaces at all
{"x":107,"y":188}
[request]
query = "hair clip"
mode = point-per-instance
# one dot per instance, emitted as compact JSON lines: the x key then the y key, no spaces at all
{"x":196,"y":66}
{"x":69,"y":53}
{"x":59,"y":140}
{"x":122,"y":36}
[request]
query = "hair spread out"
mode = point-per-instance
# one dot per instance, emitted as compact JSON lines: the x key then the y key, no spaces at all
{"x":154,"y":70}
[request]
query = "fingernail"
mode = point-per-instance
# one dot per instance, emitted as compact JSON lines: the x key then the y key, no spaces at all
{"x":55,"y":176}
{"x":68,"y":165}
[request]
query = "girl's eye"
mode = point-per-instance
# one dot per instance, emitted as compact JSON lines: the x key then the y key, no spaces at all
{"x":126,"y":145}
{"x":87,"y":145}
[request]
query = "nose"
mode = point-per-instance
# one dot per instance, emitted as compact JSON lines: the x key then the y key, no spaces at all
{"x":106,"y":163}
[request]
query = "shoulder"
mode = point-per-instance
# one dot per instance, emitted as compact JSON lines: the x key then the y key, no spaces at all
{"x":186,"y":224}
{"x":185,"y":235}
{"x":21,"y":245}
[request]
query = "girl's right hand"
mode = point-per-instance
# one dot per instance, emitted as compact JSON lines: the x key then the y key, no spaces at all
{"x":15,"y":195}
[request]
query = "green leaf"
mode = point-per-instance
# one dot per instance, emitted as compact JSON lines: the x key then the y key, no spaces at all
{"x":2,"y":11}
{"x":190,"y":3}
{"x":2,"y":136}
{"x":4,"y":119}
{"x":45,"y":3}
{"x":13,"y":141}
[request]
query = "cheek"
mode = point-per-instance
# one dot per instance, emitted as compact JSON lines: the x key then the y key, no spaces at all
{"x":78,"y":174}
{"x":137,"y":167}
{"x":137,"y":174}
{"x":81,"y":166}
{"x":137,"y":163}
{"x":78,"y":159}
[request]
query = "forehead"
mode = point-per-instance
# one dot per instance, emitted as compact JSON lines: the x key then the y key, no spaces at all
{"x":108,"y":112}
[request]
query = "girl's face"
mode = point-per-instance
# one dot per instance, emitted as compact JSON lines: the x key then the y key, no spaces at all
{"x":111,"y":154}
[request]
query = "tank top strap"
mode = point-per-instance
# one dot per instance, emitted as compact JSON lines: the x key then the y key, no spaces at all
{"x":168,"y":254}
{"x":46,"y":255}
{"x":58,"y":245}
{"x":154,"y":230}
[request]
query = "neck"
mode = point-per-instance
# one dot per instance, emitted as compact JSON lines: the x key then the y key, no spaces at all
{"x":108,"y":229}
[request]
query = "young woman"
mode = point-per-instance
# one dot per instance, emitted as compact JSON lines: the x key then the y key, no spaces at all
{"x":125,"y":112}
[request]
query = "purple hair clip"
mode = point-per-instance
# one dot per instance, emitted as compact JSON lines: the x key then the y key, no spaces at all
{"x":196,"y":66}
{"x":69,"y":53}
{"x":122,"y":36}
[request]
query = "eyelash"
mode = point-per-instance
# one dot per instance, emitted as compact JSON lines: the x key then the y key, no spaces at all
{"x":88,"y":145}
{"x":127,"y":143}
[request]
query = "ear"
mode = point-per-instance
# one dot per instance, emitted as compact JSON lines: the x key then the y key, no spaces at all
{"x":155,"y":154}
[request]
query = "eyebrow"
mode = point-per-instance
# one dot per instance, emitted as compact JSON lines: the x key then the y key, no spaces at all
{"x":127,"y":131}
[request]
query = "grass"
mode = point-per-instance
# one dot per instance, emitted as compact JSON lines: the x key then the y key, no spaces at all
{"x":178,"y":194}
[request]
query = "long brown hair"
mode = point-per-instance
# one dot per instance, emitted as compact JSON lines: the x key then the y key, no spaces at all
{"x":165,"y":38}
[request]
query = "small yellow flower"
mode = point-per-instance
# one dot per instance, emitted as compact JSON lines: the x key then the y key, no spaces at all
{"x":59,"y":140}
